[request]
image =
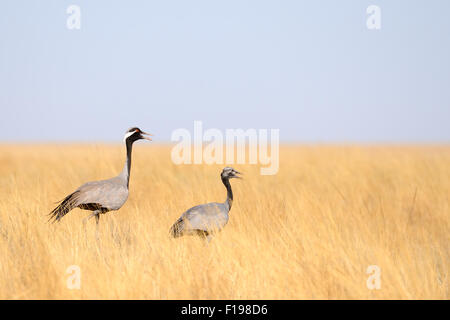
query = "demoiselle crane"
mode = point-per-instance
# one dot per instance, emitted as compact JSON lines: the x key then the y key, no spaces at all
{"x":104,"y":195}
{"x":208,"y":218}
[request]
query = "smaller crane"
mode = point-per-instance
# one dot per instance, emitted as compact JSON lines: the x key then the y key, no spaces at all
{"x":205,"y":219}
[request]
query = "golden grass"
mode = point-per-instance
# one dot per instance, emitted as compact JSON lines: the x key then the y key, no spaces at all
{"x":310,"y":231}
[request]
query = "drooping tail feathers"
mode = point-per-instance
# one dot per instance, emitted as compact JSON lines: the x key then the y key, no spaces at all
{"x":64,"y":207}
{"x":177,"y":228}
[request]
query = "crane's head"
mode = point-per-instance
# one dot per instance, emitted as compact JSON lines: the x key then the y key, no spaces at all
{"x":134,"y":134}
{"x":230,"y":173}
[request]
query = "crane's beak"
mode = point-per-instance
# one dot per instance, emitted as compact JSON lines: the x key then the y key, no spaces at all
{"x":237,"y":172}
{"x":144,"y":137}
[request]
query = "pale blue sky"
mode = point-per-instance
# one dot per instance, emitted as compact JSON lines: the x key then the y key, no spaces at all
{"x":310,"y":68}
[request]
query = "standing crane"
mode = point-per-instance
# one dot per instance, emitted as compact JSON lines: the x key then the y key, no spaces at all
{"x":104,"y":195}
{"x":205,"y":219}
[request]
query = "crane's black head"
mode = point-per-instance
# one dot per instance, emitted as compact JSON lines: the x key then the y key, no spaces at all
{"x":134,"y":134}
{"x":230,"y":173}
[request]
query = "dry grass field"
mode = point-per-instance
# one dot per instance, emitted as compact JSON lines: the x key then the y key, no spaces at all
{"x":309,"y":232}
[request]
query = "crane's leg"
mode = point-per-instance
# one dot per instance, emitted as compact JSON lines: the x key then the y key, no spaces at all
{"x":88,"y":217}
{"x":97,"y":220}
{"x":95,"y":214}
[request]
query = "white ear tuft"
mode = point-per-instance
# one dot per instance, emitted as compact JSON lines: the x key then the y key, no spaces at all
{"x":127,"y":135}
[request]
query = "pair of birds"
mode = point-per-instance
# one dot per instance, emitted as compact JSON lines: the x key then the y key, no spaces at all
{"x":108,"y":195}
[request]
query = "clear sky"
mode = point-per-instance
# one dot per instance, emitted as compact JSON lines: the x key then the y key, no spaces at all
{"x":309,"y":68}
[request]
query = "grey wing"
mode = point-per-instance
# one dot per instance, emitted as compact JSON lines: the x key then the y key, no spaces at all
{"x":206,"y":217}
{"x":110,"y":194}
{"x":107,"y":193}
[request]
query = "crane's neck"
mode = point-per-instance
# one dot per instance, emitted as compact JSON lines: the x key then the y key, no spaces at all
{"x":127,"y":167}
{"x":229,"y":200}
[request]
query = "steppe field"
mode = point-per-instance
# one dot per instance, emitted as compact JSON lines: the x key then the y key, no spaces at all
{"x":309,"y":232}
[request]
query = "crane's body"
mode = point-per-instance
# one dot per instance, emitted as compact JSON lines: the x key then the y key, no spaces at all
{"x":95,"y":195}
{"x":206,"y":219}
{"x":202,"y":219}
{"x":103,"y":195}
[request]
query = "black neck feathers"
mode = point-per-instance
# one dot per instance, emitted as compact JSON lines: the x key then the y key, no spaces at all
{"x":227,"y":184}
